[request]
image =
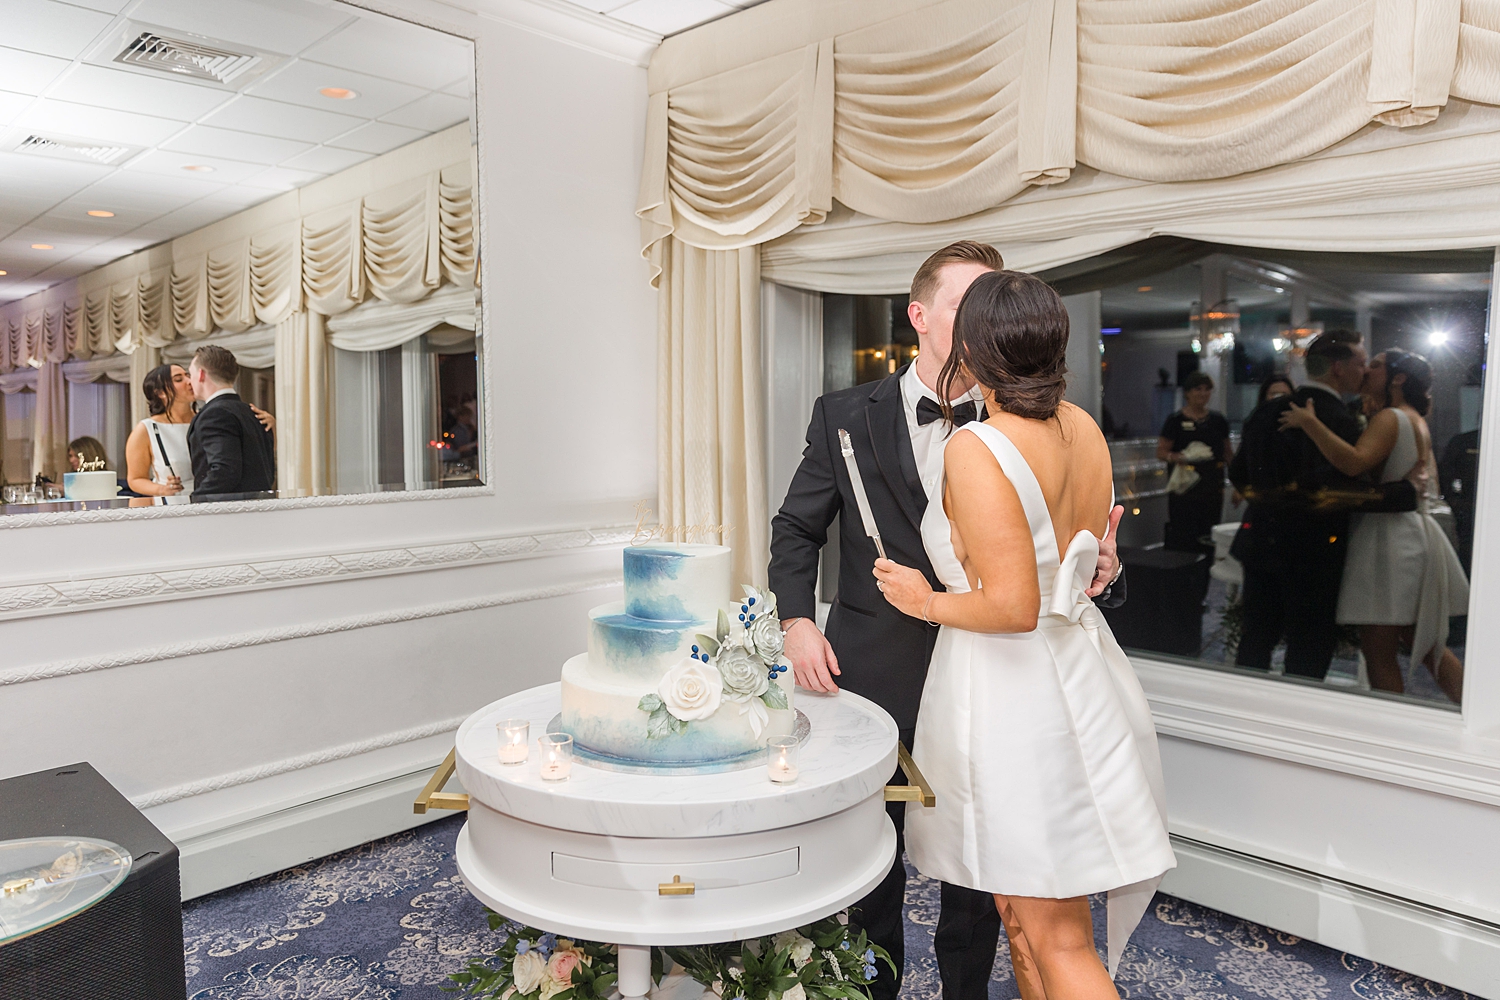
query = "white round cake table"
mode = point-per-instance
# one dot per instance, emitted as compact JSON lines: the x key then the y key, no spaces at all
{"x":642,"y":859}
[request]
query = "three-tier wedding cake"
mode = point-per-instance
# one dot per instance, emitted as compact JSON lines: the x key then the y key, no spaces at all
{"x":679,"y":672}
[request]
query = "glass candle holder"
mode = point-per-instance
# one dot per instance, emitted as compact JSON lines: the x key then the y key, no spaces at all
{"x":515,"y":740}
{"x":557,"y":756}
{"x":781,"y":767}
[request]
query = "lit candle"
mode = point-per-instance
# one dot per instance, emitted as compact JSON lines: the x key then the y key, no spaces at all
{"x":515,"y":736}
{"x":782,"y":764}
{"x":557,"y":756}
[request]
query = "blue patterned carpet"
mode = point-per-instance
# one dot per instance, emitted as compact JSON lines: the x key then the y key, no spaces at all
{"x":391,"y":919}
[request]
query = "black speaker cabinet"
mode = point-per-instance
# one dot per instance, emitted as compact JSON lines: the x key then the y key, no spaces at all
{"x":129,"y":946}
{"x":1163,"y":609}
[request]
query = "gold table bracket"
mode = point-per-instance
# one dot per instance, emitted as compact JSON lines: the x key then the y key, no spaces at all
{"x":917,"y":789}
{"x":433,"y":797}
{"x":676,"y":887}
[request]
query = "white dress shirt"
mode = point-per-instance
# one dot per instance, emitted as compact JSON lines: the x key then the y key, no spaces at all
{"x":929,"y":440}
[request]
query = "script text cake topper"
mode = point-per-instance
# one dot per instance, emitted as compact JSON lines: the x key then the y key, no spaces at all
{"x":685,"y":533}
{"x":92,"y":465}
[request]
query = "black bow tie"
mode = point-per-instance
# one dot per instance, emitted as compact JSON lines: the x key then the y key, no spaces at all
{"x":928,"y":410}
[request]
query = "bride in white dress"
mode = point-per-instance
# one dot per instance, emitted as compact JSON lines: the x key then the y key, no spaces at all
{"x":1033,"y":728}
{"x":1402,"y":579}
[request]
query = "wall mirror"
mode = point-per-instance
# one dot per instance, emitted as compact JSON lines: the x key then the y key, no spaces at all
{"x":1192,"y":338}
{"x":290,"y":181}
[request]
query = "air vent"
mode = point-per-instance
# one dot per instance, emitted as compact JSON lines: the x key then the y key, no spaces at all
{"x":181,"y":57}
{"x":73,"y":149}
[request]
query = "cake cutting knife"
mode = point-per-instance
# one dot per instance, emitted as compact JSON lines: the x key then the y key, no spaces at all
{"x":163,"y":448}
{"x":868,"y":516}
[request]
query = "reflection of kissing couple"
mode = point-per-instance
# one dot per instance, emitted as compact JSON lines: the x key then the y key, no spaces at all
{"x":994,"y":502}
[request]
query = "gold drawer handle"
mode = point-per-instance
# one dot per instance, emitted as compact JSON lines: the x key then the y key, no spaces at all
{"x":676,"y":887}
{"x":433,"y":797}
{"x":918,"y":790}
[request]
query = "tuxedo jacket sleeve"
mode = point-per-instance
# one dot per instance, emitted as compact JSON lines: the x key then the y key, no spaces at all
{"x":800,"y":529}
{"x":218,"y":452}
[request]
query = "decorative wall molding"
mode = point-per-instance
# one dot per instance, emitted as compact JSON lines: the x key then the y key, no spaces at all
{"x":241,"y":640}
{"x":272,"y":768}
{"x":574,"y":25}
{"x":29,"y":600}
{"x":51,"y":518}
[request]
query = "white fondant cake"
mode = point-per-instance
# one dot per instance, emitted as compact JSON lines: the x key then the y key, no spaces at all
{"x":648,"y":690}
{"x":90,"y":485}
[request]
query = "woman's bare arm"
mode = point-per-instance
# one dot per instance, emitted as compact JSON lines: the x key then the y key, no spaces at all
{"x":138,"y":466}
{"x":1373,"y":448}
{"x":997,"y":539}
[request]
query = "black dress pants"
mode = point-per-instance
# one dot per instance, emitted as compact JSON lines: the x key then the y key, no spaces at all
{"x":1294,"y":592}
{"x":968,"y":930}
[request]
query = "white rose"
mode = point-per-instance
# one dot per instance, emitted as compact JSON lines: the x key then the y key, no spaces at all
{"x":691,"y":690}
{"x":801,"y":947}
{"x":528,"y":970}
{"x":743,"y":675}
{"x":795,"y":993}
{"x":765,"y":635}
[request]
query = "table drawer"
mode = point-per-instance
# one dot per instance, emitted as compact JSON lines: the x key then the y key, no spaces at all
{"x":648,"y":876}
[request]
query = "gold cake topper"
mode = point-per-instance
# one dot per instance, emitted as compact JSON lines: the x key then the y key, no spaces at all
{"x":685,"y":533}
{"x":92,"y":465}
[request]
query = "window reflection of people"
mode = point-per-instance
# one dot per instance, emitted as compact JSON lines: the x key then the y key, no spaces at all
{"x":1194,"y":440}
{"x":1274,"y":388}
{"x":1458,"y":478}
{"x":1291,"y":545}
{"x":150,"y":471}
{"x":87,"y":453}
{"x":233,"y":452}
{"x":1402,"y":580}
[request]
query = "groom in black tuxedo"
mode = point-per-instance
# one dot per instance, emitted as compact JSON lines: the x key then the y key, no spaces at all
{"x":234,"y":455}
{"x":876,"y":651}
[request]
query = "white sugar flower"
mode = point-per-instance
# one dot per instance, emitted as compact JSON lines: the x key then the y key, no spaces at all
{"x":743,"y":674}
{"x":528,"y":970}
{"x":764,"y":634}
{"x":691,"y":690}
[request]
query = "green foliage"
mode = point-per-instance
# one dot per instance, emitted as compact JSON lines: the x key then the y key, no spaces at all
{"x":659,"y":721}
{"x":774,"y":697}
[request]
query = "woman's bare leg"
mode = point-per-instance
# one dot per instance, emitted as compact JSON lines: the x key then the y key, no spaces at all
{"x":1060,"y":936}
{"x":1028,"y":981}
{"x":1379,"y":644}
{"x":1448,"y":671}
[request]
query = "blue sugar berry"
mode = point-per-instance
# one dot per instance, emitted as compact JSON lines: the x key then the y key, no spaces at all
{"x":695,"y":649}
{"x":752,"y":602}
{"x":742,"y":617}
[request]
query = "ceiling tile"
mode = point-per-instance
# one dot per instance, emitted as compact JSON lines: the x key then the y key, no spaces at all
{"x":386,"y":47}
{"x":141,"y":190}
{"x":70,"y":223}
{"x":26,"y":176}
{"x":53,"y":29}
{"x":299,"y":82}
{"x":325,"y":160}
{"x":138,"y":92}
{"x":204,"y":140}
{"x":85,"y":122}
{"x":667,"y":17}
{"x":281,"y":179}
{"x":430,"y":113}
{"x":12,"y":105}
{"x":108,"y":6}
{"x":170,"y":163}
{"x":28,"y":72}
{"x":272,"y":25}
{"x":291,"y":121}
{"x":377,"y":137}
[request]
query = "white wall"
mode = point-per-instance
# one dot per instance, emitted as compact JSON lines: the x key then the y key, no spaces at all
{"x":275,"y":685}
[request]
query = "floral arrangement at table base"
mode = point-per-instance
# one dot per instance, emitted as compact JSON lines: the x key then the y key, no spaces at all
{"x":822,"y":961}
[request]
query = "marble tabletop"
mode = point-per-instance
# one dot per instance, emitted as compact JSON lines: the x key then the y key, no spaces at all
{"x":849,"y":755}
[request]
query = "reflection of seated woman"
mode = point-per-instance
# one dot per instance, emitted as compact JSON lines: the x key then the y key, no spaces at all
{"x":169,"y":397}
{"x":1402,"y":579}
{"x":87,"y":454}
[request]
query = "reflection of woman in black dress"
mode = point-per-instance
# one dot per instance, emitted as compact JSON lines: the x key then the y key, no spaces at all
{"x":1193,"y":513}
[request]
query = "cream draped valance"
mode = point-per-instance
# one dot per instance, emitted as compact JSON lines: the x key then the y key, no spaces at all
{"x":956,"y":106}
{"x":397,"y":243}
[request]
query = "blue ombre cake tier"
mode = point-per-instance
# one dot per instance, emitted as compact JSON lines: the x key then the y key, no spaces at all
{"x":626,"y":648}
{"x":668,"y":582}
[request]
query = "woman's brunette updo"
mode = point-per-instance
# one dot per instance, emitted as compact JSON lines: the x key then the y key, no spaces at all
{"x":1417,"y":389}
{"x":1010,"y":335}
{"x":158,"y":382}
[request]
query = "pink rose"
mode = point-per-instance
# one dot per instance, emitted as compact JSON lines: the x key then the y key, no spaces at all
{"x":561,"y":965}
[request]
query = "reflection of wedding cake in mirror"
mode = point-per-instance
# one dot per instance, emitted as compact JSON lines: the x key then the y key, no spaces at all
{"x":679,"y":672}
{"x":90,"y":484}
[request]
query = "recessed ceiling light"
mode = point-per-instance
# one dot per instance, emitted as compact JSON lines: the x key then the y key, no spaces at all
{"x":41,"y":246}
{"x":199,"y":168}
{"x":339,"y":93}
{"x":4,"y":272}
{"x":100,"y":213}
{"x":1144,"y":288}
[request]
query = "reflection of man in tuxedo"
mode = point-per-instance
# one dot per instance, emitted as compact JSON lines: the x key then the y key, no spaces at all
{"x":233,"y":454}
{"x":873,"y":649}
{"x":1294,"y":534}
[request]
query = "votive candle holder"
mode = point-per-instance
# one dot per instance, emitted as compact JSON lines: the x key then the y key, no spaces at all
{"x":781,"y":765}
{"x":557,"y":756}
{"x":515,"y":740}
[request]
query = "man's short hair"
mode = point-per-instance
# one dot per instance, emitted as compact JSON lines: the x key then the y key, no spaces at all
{"x":218,"y":362}
{"x":925,"y":281}
{"x":1194,"y":379}
{"x":1329,"y":348}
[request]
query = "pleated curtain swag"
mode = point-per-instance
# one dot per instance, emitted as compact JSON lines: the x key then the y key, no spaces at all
{"x":915,"y":113}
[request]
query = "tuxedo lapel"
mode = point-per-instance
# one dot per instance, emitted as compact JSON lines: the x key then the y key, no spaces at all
{"x":885,"y":419}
